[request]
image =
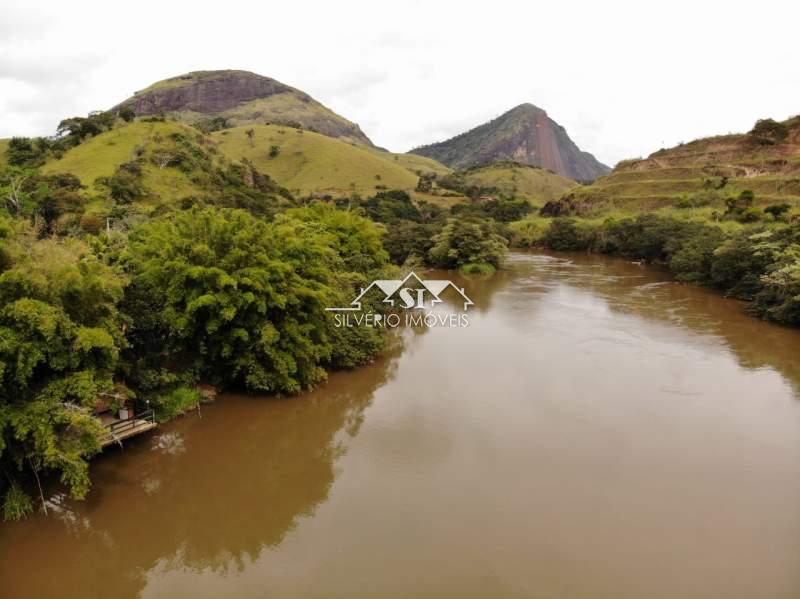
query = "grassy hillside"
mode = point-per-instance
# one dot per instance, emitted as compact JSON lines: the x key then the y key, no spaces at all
{"x":420,"y":165}
{"x":143,"y":168}
{"x":509,"y":179}
{"x":3,"y":146}
{"x":102,"y":155}
{"x":700,"y":175}
{"x":309,"y":163}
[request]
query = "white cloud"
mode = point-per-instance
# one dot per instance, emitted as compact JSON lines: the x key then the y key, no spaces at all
{"x":623,"y":77}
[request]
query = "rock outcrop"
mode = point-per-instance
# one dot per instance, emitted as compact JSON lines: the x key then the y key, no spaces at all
{"x":241,"y":98}
{"x":524,"y":134}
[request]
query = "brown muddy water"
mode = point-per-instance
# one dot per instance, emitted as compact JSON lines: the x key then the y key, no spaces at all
{"x":597,"y":432}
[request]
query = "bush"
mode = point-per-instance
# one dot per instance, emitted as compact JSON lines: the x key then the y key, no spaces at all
{"x":391,"y":206}
{"x":739,"y":208}
{"x":501,"y":210}
{"x":566,"y":235}
{"x":125,"y":185}
{"x":176,"y":402}
{"x":92,"y":223}
{"x":465,"y":241}
{"x":749,"y":215}
{"x":16,"y":504}
{"x":480,"y":269}
{"x":737,"y":267}
{"x":769,"y":131}
{"x":528,"y":232}
{"x":692,"y":260}
{"x":777,"y":211}
{"x":211,"y":125}
{"x":22,"y":151}
{"x":127,"y":114}
{"x":407,"y":239}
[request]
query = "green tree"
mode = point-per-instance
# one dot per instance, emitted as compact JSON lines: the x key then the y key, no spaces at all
{"x":225,"y":296}
{"x":391,"y":206}
{"x":769,"y":131}
{"x":566,"y":234}
{"x":60,"y":337}
{"x":24,"y":151}
{"x":353,"y":238}
{"x":127,"y":114}
{"x":231,"y":306}
{"x":406,"y":239}
{"x":777,"y":211}
{"x":467,"y":241}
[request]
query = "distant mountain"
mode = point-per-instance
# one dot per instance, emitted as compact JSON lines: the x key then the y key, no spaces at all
{"x":524,"y":134}
{"x":242,"y":98}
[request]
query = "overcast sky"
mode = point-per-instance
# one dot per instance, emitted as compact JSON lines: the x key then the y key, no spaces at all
{"x":624,"y":78}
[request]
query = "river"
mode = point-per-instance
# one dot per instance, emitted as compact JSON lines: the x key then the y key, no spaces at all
{"x":598,"y":431}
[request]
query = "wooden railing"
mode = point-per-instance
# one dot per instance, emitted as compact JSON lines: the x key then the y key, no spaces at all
{"x":117,"y":430}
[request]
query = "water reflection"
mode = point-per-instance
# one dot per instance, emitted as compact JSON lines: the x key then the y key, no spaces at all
{"x":209,"y":492}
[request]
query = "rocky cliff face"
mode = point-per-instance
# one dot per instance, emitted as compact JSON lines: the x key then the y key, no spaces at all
{"x":242,"y":98}
{"x":524,"y":134}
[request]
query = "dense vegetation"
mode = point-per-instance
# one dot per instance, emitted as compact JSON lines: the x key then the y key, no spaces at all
{"x":467,"y":237}
{"x":152,"y":262}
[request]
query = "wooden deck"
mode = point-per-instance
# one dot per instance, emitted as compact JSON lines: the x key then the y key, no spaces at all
{"x":119,"y":430}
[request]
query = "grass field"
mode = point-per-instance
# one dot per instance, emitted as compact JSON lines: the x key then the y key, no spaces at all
{"x":309,"y":163}
{"x":519,"y":181}
{"x":101,"y":155}
{"x":416,"y":164}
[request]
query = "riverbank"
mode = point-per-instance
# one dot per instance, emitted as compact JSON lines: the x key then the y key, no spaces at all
{"x":756,"y":263}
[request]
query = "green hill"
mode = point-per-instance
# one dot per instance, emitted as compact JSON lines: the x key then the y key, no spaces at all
{"x":701,"y":174}
{"x":420,"y":165}
{"x":509,"y":179}
{"x":309,"y":163}
{"x":102,"y":155}
{"x":240,"y":98}
{"x":304,"y":162}
{"x":143,"y":167}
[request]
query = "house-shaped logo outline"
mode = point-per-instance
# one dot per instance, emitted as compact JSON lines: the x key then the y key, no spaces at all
{"x":390,"y":286}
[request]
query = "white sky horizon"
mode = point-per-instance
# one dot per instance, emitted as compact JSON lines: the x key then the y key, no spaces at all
{"x":623,"y":78}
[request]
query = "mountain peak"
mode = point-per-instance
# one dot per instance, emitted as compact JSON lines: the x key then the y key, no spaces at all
{"x":524,"y":134}
{"x":242,"y":98}
{"x":526,"y":108}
